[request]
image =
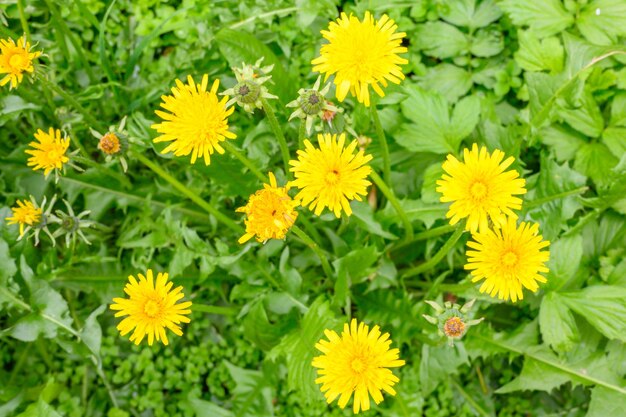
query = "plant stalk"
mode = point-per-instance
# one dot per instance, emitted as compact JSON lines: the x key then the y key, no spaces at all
{"x":278,"y":132}
{"x":437,"y":257}
{"x":408,"y":227}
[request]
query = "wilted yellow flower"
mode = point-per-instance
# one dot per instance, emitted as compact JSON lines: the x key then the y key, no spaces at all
{"x":356,"y":363}
{"x":331,"y":175}
{"x":15,"y":60}
{"x":508,"y":258}
{"x":25,"y":214}
{"x":271,"y":213}
{"x":361,"y":54}
{"x":109,"y":144}
{"x":197,"y":122}
{"x":49,"y":152}
{"x":151,"y":308}
{"x":480,"y":188}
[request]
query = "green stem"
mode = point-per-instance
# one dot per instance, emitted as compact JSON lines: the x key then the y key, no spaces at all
{"x":286,"y":10}
{"x":425,"y":235}
{"x":23,"y":21}
{"x":408,"y":227}
{"x":278,"y":132}
{"x":301,"y":134}
{"x":106,"y":171}
{"x":315,"y":248}
{"x":563,"y":368}
{"x":73,"y":102}
{"x":384,"y":148}
{"x":547,"y":199}
{"x":244,"y":160}
{"x":189,"y":193}
{"x":280,"y":287}
{"x":437,"y":257}
{"x":587,"y":218}
{"x":223,"y":311}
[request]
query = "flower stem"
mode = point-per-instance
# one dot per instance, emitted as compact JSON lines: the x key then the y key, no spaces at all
{"x":427,"y":234}
{"x":244,"y":160}
{"x":437,"y":257}
{"x":547,"y":199}
{"x":73,"y":102}
{"x":24,"y":22}
{"x":301,"y":134}
{"x":271,"y":117}
{"x":408,"y":227}
{"x":315,"y":248}
{"x":189,"y":193}
{"x":384,"y":148}
{"x":220,"y":310}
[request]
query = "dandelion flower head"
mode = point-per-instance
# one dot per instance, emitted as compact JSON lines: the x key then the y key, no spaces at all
{"x":15,"y":60}
{"x":49,"y":151}
{"x":330,"y":175}
{"x":361,"y":54}
{"x":480,"y":188}
{"x":270,"y":211}
{"x":25,"y":214}
{"x":151,"y":307}
{"x":197,"y":120}
{"x":357,"y":362}
{"x":508,"y":259}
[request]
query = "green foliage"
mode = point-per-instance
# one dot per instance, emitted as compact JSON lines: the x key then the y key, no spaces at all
{"x":544,"y":81}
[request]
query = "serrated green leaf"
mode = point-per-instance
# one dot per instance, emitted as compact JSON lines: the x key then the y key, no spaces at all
{"x":465,"y":13}
{"x":448,"y":80}
{"x":545,"y":18}
{"x":438,"y":362}
{"x":441,"y":40}
{"x":91,"y":334}
{"x":603,"y":306}
{"x":595,"y":160}
{"x":539,"y":55}
{"x":252,"y":395}
{"x":615,"y":139}
{"x":537,"y":375}
{"x":204,"y":408}
{"x":563,"y":140}
{"x":605,"y":402}
{"x":602,"y":21}
{"x":486,"y":43}
{"x":584,"y":116}
{"x":565,"y":256}
{"x":557,"y":324}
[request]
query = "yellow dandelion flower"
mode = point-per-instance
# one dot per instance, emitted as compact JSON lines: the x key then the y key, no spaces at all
{"x":356,"y":363}
{"x":25,"y":214}
{"x":49,"y":151}
{"x":480,"y":188}
{"x":331,"y":175}
{"x":197,"y":120}
{"x":151,"y":307}
{"x":271,"y":213}
{"x":508,"y":258}
{"x":15,"y":60}
{"x":361,"y":54}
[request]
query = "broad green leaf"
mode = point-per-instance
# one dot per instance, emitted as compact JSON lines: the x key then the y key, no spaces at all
{"x":537,"y":375}
{"x":353,"y":268}
{"x":308,"y":10}
{"x":433,"y":129}
{"x":252,"y":395}
{"x":299,"y":348}
{"x":618,"y":110}
{"x":8,"y":268}
{"x":441,"y":40}
{"x":448,"y":80}
{"x":584,"y":116}
{"x":487,"y":42}
{"x":50,"y":312}
{"x":258,"y":329}
{"x":565,"y":256}
{"x":39,"y":409}
{"x":545,"y":18}
{"x":596,"y":161}
{"x":465,"y":13}
{"x":615,"y":139}
{"x":439,"y":362}
{"x":364,"y":216}
{"x":605,"y":402}
{"x":563,"y":140}
{"x":603,"y":306}
{"x":558,"y":327}
{"x":91,"y":334}
{"x":204,"y":408}
{"x":539,"y":55}
{"x":429,"y":186}
{"x":602,"y":21}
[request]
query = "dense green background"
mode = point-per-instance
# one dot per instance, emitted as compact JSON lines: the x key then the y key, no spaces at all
{"x":521,"y":76}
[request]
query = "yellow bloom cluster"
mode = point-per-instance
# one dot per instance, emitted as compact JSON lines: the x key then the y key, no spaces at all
{"x":507,"y":256}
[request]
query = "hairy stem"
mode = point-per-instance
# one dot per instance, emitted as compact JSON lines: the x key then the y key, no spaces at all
{"x":278,"y":132}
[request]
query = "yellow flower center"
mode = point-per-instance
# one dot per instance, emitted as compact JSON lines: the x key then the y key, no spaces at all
{"x":18,"y":61}
{"x":509,"y":259}
{"x":358,"y":365}
{"x":478,"y":190}
{"x":332,"y":177}
{"x":152,"y":308}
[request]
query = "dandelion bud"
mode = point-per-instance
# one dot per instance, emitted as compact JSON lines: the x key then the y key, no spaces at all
{"x":249,"y":89}
{"x":451,"y":320}
{"x":312,"y":103}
